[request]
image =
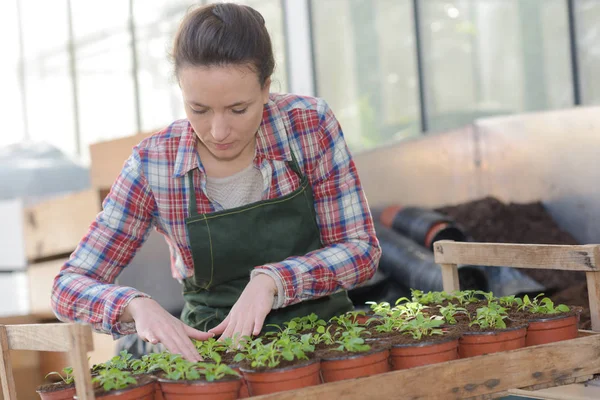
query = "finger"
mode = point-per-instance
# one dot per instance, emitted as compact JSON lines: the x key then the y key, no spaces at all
{"x":219,"y":329}
{"x":188,"y":348}
{"x":230,"y":330}
{"x":248,"y":328}
{"x":196,"y":334}
{"x":176,"y":345}
{"x":259,"y":322}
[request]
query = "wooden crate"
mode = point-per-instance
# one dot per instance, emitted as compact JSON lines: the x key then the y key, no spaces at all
{"x":55,"y":227}
{"x":107,"y":159}
{"x":493,"y":375}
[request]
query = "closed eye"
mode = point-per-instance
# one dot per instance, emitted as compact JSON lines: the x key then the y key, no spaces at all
{"x":240,"y":111}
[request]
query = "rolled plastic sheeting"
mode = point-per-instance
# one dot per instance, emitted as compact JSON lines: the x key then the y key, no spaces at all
{"x":413,"y":266}
{"x":422,"y":225}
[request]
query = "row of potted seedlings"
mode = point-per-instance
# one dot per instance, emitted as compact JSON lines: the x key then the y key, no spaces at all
{"x":428,"y":328}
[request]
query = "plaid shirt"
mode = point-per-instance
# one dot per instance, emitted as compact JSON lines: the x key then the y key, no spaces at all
{"x":152,"y":191}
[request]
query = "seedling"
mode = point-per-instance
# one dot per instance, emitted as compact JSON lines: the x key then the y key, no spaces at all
{"x":215,"y":372}
{"x":114,"y":379}
{"x":450,"y":311}
{"x":67,"y":378}
{"x":466,"y":297}
{"x":382,"y":309}
{"x":351,"y":341}
{"x":120,"y":362}
{"x":489,"y":296}
{"x":407,"y":310}
{"x":491,"y":316}
{"x":422,"y":326}
{"x":324,"y":335}
{"x":210,"y":348}
{"x":543,"y":306}
{"x":270,"y":355}
{"x":389,"y":324}
{"x":509,"y":301}
{"x":345,"y":322}
{"x":429,"y":297}
{"x":147,"y":363}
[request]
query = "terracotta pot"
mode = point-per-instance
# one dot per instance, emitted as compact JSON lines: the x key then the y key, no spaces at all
{"x":548,"y":330}
{"x":278,"y":380}
{"x":355,"y":366}
{"x":62,"y":394}
{"x":413,"y":355}
{"x":478,"y":343}
{"x":158,"y":394}
{"x":244,"y":387}
{"x":223,"y":390}
{"x":144,"y":392}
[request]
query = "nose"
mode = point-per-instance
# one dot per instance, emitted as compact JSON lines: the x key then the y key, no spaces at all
{"x":219,"y":128}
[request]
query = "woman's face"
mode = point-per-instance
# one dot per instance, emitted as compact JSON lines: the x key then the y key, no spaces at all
{"x":224,"y":105}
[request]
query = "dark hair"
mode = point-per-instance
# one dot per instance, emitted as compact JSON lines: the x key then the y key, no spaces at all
{"x":221,"y":34}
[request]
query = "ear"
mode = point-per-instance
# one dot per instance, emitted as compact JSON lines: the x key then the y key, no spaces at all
{"x":265,"y":91}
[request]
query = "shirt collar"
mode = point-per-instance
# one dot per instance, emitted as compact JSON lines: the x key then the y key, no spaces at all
{"x":271,"y":141}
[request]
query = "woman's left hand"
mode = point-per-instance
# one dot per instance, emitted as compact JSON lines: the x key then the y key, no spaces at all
{"x":248,"y":314}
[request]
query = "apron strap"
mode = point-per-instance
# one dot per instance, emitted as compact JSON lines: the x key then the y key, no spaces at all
{"x":192,"y":206}
{"x":294,"y":164}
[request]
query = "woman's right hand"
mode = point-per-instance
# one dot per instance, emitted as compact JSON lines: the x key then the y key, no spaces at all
{"x":155,"y":325}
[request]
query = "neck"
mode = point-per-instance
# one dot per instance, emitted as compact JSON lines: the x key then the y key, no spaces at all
{"x":218,"y":168}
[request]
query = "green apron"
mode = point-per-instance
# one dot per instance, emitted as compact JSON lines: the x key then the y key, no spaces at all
{"x":227,"y":245}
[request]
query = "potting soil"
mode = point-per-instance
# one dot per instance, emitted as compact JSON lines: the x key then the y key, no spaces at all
{"x":490,"y":220}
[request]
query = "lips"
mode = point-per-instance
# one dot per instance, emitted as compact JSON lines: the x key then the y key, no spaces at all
{"x":222,"y":146}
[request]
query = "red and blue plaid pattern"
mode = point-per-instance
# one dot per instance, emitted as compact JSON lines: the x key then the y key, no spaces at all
{"x":152,"y":192}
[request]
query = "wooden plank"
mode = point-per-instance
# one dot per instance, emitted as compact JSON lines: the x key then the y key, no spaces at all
{"x":107,"y":158}
{"x":593,"y":284}
{"x":55,"y":227}
{"x":450,"y":281}
{"x":471,"y":377}
{"x":563,"y":257}
{"x":9,"y":391}
{"x":82,"y":343}
{"x":41,"y":337}
{"x":41,"y":277}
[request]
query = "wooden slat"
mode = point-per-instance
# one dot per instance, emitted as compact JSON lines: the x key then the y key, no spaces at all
{"x":450,"y":280}
{"x":573,"y":258}
{"x":82,"y":341}
{"x":41,"y":337}
{"x":9,"y":391}
{"x":593,"y":285}
{"x":468,"y":378}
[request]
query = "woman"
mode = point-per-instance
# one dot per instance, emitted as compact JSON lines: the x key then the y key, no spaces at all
{"x":256,"y":194}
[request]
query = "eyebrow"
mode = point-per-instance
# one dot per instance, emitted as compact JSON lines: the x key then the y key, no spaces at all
{"x":239,"y":103}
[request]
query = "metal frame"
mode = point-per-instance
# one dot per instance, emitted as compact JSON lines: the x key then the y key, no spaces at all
{"x":300,"y":54}
{"x":575,"y":77}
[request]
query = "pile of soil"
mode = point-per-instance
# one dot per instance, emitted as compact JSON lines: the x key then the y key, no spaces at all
{"x":490,"y":220}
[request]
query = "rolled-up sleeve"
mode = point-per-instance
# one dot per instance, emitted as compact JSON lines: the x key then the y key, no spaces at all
{"x":84,"y":290}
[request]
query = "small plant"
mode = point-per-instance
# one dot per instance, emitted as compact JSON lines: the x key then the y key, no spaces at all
{"x":148,"y":363}
{"x":271,"y":354}
{"x":509,"y":301}
{"x":422,"y":326}
{"x":543,"y":306}
{"x":67,"y":378}
{"x":352,"y":341}
{"x":450,"y":311}
{"x":382,"y":309}
{"x":407,"y":310}
{"x":345,"y":322}
{"x":491,"y":316}
{"x":210,"y":348}
{"x":489,"y":296}
{"x":429,"y":297}
{"x":114,"y":379}
{"x":324,"y":335}
{"x":389,"y":324}
{"x":215,"y":372}
{"x":120,"y":362}
{"x":466,"y":297}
